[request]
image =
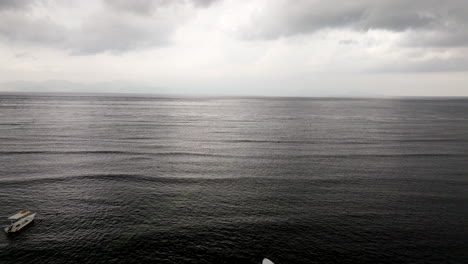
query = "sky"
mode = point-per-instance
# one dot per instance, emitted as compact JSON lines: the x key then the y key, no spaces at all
{"x":236,"y":47}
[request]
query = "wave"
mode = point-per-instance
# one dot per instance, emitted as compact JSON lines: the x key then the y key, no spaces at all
{"x":120,"y":178}
{"x":116,"y":152}
{"x":317,"y":180}
{"x":287,"y":155}
{"x":336,"y":142}
{"x":304,"y":142}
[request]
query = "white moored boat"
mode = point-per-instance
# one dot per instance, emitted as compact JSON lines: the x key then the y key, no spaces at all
{"x":19,"y":220}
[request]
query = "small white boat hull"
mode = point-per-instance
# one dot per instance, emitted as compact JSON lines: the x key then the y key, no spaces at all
{"x":18,"y":225}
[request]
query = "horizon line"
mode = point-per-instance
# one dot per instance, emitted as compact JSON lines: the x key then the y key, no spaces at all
{"x":176,"y":95}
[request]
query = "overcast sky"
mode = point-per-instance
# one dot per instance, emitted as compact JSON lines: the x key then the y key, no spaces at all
{"x":243,"y":47}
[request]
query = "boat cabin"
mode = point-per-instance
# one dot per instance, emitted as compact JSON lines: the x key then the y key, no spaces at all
{"x":19,"y":220}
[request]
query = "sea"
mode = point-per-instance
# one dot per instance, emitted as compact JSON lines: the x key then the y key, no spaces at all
{"x":161,"y":179}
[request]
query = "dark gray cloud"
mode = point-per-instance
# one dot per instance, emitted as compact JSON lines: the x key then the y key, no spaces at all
{"x":148,"y":7}
{"x":204,"y":3}
{"x":448,"y":38}
{"x":17,"y":27}
{"x":10,"y":4}
{"x":100,"y":33}
{"x":284,"y":18}
{"x":142,"y":7}
{"x":121,"y":25}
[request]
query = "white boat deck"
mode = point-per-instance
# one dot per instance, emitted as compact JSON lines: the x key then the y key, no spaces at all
{"x":18,"y":215}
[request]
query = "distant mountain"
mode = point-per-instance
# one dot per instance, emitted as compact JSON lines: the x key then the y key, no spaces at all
{"x":60,"y":86}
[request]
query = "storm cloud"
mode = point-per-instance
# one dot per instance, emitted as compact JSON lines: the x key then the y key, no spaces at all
{"x":441,"y":22}
{"x":120,"y":25}
{"x":115,"y":26}
{"x":147,"y":7}
{"x":7,"y":4}
{"x":198,"y":43}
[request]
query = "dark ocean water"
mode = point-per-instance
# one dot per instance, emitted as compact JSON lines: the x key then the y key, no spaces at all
{"x":234,"y":180}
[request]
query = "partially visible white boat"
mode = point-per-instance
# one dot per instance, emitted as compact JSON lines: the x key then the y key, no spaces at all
{"x":19,"y":220}
{"x":267,"y":261}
